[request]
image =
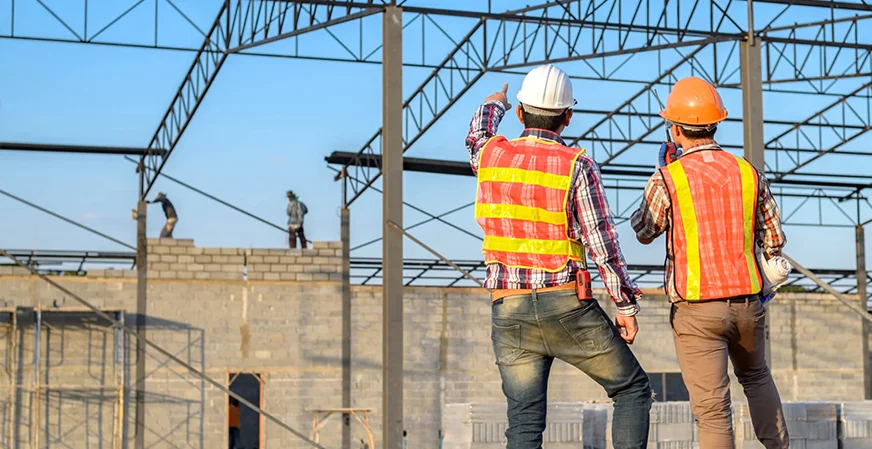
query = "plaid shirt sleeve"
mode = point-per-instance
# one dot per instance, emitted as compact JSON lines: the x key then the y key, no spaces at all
{"x":483,"y":126}
{"x":594,"y":223}
{"x":770,"y":236}
{"x":652,"y":218}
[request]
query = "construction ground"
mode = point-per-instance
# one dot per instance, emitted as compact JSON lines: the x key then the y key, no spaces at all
{"x":332,"y":346}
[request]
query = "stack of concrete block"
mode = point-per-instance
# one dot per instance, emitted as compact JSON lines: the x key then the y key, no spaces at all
{"x":111,"y":273}
{"x":811,"y":425}
{"x":672,"y":426}
{"x":322,"y":262}
{"x":483,"y":426}
{"x":856,"y":423}
{"x":180,"y":259}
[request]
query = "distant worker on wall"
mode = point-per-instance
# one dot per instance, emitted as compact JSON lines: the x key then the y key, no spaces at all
{"x":170,"y":212}
{"x":296,"y":213}
{"x":233,"y":423}
{"x":542,"y":205}
{"x":715,"y":208}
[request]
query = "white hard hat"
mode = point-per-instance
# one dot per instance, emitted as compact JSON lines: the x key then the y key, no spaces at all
{"x":546,"y":90}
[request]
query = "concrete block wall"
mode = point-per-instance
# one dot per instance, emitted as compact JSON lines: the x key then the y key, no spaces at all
{"x":290,"y":332}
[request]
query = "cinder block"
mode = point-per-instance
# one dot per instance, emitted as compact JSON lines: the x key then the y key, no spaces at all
{"x":220,"y":259}
{"x":295,"y":268}
{"x":203,"y":259}
{"x":212,"y":251}
{"x":167,"y":275}
{"x":186,"y":259}
{"x":334,"y":245}
{"x":304,"y":277}
{"x":213,"y":267}
{"x":237,"y":259}
{"x":278,"y":268}
{"x":304,"y":260}
{"x":203,"y":276}
{"x":287,"y":260}
{"x":311,"y":269}
{"x":310,"y":252}
{"x":231,"y":269}
{"x":185,"y":242}
{"x":320,"y":260}
{"x":320,"y":277}
{"x":167,"y":258}
{"x":296,"y":252}
{"x":153,"y":242}
{"x":195,"y":267}
{"x":151,"y":274}
{"x":335,"y":277}
{"x":271,"y":259}
{"x":335,"y":261}
{"x":159,"y":250}
{"x":185,"y":275}
{"x":195,"y":251}
{"x":288,"y":276}
{"x":178,"y":266}
{"x":253,"y":259}
{"x":278,"y":252}
{"x":161,"y":266}
{"x":230,"y":251}
{"x":326,"y":252}
{"x":259,"y":252}
{"x":129,"y":273}
{"x":320,"y":245}
{"x":178,"y":250}
{"x":271,"y":276}
{"x":255,"y":276}
{"x":91,"y":273}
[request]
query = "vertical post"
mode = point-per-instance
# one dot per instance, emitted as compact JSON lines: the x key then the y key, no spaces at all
{"x":141,"y":309}
{"x":122,"y":362}
{"x":392,"y":172}
{"x":752,"y":120}
{"x":37,"y":349}
{"x":345,"y":233}
{"x":862,"y":292}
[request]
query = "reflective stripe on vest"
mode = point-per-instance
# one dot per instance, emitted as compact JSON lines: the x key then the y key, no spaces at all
{"x":523,"y":187}
{"x":714,"y":199}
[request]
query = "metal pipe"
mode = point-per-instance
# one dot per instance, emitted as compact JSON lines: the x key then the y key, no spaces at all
{"x":805,"y":271}
{"x":432,"y":251}
{"x":159,"y":349}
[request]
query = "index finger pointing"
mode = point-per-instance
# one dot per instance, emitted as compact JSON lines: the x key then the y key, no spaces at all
{"x":505,"y":87}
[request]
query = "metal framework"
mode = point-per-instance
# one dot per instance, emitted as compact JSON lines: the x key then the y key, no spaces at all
{"x":772,"y":51}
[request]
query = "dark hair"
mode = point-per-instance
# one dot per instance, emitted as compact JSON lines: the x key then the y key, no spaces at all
{"x":550,"y":122}
{"x":694,"y":134}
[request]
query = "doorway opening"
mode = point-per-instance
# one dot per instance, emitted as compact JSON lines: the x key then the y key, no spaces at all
{"x":245,"y":426}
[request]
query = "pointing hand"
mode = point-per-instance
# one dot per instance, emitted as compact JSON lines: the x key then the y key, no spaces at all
{"x":500,"y":97}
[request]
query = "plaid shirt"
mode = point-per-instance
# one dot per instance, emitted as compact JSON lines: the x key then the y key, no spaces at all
{"x":590,"y":222}
{"x":654,"y":217}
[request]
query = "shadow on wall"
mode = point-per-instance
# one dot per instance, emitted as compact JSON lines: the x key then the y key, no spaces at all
{"x":76,"y":396}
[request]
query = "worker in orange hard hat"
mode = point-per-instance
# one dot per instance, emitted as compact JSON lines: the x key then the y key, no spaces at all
{"x":716,"y":208}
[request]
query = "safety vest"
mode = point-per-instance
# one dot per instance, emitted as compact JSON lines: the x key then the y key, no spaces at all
{"x":714,"y":210}
{"x":523,"y":189}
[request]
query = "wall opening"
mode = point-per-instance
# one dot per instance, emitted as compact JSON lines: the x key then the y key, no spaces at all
{"x":245,"y":426}
{"x":668,"y":387}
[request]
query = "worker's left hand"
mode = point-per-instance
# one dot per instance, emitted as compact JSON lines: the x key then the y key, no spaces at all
{"x":501,"y":97}
{"x":628,"y":327}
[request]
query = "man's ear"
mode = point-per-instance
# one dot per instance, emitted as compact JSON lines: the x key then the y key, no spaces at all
{"x":520,"y":113}
{"x":568,"y":118}
{"x":676,"y":132}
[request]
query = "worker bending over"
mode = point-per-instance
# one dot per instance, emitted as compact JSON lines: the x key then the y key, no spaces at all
{"x":715,"y":207}
{"x":541,"y":205}
{"x":169,"y":212}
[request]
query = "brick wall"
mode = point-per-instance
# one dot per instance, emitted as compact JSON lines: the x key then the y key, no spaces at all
{"x":289,"y":331}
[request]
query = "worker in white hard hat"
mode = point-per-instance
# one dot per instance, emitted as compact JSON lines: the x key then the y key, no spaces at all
{"x":543,"y":210}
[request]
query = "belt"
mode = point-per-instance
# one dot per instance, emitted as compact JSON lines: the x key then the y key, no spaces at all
{"x":502,"y":293}
{"x":740,"y":300}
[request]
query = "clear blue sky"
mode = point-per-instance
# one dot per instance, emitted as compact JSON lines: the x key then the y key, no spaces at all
{"x":265,"y":127}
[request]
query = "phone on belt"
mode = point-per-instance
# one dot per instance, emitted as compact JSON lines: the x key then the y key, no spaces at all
{"x":583,"y":288}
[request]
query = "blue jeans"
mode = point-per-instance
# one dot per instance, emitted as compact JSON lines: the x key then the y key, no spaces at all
{"x":530,"y":331}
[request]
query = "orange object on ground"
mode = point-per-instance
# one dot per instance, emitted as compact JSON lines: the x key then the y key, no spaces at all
{"x":693,"y":101}
{"x":714,"y":211}
{"x":523,"y":189}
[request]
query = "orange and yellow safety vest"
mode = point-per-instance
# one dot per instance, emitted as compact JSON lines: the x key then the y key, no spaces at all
{"x":714,"y":210}
{"x":523,"y":189}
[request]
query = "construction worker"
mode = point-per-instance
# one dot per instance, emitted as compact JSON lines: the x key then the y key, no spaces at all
{"x":233,"y":423}
{"x":296,"y":213}
{"x":169,"y":212}
{"x":715,"y":207}
{"x":542,"y":206}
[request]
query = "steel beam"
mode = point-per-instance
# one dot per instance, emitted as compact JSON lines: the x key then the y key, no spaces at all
{"x":860,"y":235}
{"x":84,"y":149}
{"x":141,"y":314}
{"x":752,"y":121}
{"x":392,"y":290}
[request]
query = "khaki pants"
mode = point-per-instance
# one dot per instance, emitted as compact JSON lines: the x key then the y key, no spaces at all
{"x":705,"y":335}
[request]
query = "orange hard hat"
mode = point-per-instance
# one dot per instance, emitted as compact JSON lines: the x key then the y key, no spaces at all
{"x":693,"y":101}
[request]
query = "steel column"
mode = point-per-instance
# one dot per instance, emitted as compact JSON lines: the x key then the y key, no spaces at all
{"x":392,"y":169}
{"x":345,"y":233}
{"x":861,"y":292}
{"x":752,"y":121}
{"x":141,"y":313}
